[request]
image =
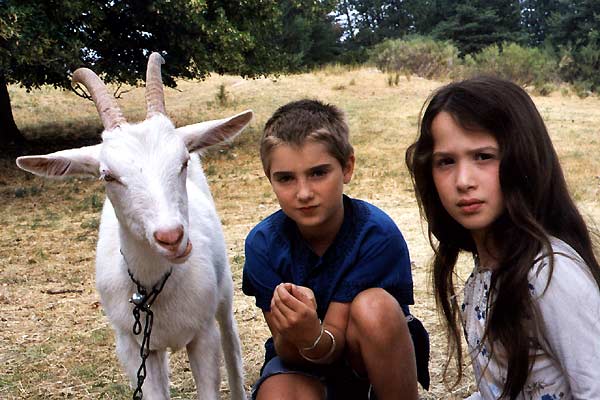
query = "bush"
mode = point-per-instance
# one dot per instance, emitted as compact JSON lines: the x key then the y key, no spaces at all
{"x":521,"y":65}
{"x":583,"y":88}
{"x":545,"y":89}
{"x":580,"y":66}
{"x":223,"y":97}
{"x":415,"y":55}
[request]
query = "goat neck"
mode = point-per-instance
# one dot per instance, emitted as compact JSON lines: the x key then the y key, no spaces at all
{"x":141,"y":260}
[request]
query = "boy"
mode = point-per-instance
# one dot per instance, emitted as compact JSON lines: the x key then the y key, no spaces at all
{"x":330,"y":273}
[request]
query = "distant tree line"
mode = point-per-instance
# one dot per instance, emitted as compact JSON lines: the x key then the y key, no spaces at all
{"x":42,"y":42}
{"x":569,"y":30}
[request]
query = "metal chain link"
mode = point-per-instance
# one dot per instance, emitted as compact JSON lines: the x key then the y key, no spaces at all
{"x":142,"y":302}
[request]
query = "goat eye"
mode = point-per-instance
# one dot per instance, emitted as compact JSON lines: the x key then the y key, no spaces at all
{"x":184,"y":166}
{"x":106,"y":177}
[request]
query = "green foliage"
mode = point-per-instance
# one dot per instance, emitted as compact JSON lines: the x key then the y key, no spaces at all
{"x":415,"y":55}
{"x":582,"y":88}
{"x":309,"y":34}
{"x":571,"y":22}
{"x":42,"y":42}
{"x":91,"y":224}
{"x":27,"y":191}
{"x":223,"y":97}
{"x":470,"y":24}
{"x":535,"y":19}
{"x":39,"y":41}
{"x":574,"y":30}
{"x":581,"y":65}
{"x":545,"y":89}
{"x":519,"y":64}
{"x":368,"y":22}
{"x":93,"y":202}
{"x":474,"y":25}
{"x":393,"y":79}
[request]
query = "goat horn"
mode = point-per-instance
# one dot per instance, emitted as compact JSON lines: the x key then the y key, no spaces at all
{"x":107,"y":106}
{"x":155,"y":97}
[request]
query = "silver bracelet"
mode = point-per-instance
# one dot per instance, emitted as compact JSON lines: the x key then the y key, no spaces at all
{"x":316,"y":342}
{"x":323,"y":359}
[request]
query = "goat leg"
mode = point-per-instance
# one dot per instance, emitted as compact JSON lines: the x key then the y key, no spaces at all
{"x":156,"y":383}
{"x":203,"y":353}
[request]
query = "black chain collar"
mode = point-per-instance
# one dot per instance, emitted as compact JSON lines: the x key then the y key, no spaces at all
{"x":142,"y":300}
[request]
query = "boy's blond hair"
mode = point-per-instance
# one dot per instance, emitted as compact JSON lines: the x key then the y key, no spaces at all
{"x":302,"y":120}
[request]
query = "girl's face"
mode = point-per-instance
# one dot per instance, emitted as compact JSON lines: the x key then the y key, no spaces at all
{"x":465,"y":168}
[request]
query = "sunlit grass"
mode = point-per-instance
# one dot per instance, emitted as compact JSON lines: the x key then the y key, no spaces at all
{"x":57,"y":346}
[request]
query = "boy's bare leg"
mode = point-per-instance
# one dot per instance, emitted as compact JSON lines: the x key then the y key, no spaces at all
{"x":379,"y":344}
{"x":291,"y":387}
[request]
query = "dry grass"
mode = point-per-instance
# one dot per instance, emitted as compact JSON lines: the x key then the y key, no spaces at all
{"x":60,"y":345}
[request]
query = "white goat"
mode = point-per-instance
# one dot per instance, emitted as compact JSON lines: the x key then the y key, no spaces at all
{"x":149,"y":224}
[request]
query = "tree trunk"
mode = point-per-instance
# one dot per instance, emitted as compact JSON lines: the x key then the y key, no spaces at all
{"x":10,"y":135}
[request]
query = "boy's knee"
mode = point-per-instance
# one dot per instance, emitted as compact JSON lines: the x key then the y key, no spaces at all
{"x":291,"y":386}
{"x":375,"y":310}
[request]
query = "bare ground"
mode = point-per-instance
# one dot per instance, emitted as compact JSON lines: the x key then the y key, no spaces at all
{"x":55,"y":341}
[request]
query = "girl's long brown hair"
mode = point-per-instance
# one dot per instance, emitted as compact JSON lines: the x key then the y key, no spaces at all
{"x":537,"y":205}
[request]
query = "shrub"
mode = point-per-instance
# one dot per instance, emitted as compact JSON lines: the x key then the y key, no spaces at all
{"x":223,"y":97}
{"x":417,"y":55}
{"x":545,"y":89}
{"x":393,"y":79}
{"x":583,"y":88}
{"x":580,"y":65}
{"x":521,"y":65}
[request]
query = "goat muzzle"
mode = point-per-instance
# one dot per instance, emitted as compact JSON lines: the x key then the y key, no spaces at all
{"x":182,"y":257}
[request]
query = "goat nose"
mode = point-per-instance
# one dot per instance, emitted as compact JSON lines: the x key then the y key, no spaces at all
{"x":169,"y":237}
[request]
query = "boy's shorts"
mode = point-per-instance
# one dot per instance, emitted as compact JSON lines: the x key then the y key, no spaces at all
{"x":339,"y":379}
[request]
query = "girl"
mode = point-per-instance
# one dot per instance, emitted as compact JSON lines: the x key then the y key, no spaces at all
{"x":488,"y":182}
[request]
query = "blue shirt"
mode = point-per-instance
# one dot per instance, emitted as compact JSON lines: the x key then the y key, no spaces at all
{"x":368,"y":251}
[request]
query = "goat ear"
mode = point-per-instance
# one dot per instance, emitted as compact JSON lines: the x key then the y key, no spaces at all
{"x":81,"y":161}
{"x":204,"y":134}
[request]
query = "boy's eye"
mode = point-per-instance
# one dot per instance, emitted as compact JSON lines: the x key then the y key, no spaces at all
{"x":284,"y":178}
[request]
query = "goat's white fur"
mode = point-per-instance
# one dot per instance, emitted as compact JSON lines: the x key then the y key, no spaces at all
{"x":148,"y":161}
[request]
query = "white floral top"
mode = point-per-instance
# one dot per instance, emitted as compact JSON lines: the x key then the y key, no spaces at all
{"x":565,"y":342}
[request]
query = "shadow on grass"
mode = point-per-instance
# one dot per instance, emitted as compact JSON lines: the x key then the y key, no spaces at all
{"x":53,"y":136}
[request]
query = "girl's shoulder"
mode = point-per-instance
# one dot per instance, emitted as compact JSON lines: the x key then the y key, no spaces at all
{"x":561,"y":270}
{"x":566,"y":307}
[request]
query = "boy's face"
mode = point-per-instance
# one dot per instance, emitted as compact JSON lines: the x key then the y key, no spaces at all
{"x":308,"y":182}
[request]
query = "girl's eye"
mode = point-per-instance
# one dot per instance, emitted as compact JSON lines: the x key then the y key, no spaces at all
{"x":484,"y":156}
{"x":443,"y":162}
